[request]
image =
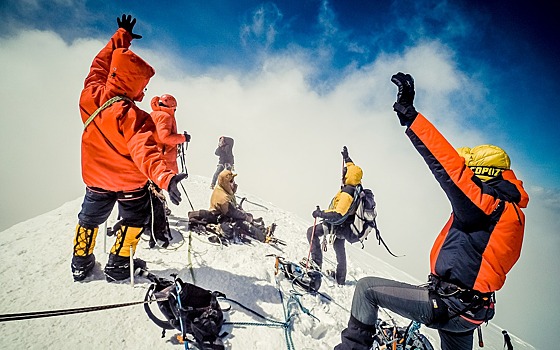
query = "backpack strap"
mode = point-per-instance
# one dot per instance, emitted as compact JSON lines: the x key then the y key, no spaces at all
{"x":159,"y":322}
{"x":105,"y":105}
{"x":353,"y":206}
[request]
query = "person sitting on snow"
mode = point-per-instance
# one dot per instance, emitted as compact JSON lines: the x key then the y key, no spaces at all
{"x":234,"y":221}
{"x":472,"y":254}
{"x":336,"y":221}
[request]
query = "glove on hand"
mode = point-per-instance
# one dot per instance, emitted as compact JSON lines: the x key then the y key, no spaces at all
{"x":127,"y":23}
{"x":317,"y":213}
{"x":345,"y":155}
{"x":405,"y":98}
{"x":187,"y":137}
{"x":173,"y":191}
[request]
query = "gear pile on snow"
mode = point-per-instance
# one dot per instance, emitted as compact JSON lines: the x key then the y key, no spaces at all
{"x":191,"y":309}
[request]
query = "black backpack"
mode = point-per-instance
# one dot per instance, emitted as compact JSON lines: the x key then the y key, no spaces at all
{"x":202,"y":217}
{"x":364,"y":214}
{"x":190,"y":309}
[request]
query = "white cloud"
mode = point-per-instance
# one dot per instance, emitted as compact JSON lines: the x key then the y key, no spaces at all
{"x":262,"y":26}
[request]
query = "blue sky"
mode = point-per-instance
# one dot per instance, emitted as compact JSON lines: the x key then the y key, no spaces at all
{"x":293,"y":81}
{"x":510,"y":47}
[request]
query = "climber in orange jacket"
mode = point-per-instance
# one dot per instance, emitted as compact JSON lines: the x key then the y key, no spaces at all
{"x":163,"y":115}
{"x":119,"y":154}
{"x":167,"y":138}
{"x":471,"y":256}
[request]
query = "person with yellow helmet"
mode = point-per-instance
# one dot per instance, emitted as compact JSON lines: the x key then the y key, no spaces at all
{"x":336,"y":220}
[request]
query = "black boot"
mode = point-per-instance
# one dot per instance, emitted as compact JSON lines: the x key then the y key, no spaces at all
{"x":82,"y":266}
{"x":357,"y":336}
{"x":118,"y":267}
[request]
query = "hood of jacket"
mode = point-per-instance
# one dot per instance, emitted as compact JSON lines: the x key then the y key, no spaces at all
{"x":226,"y":143}
{"x":154,"y":103}
{"x":510,"y":188}
{"x":128,"y":75}
{"x":224,"y":180}
{"x":353,"y":175}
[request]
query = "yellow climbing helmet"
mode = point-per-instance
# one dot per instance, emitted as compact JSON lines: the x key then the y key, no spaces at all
{"x":486,"y":161}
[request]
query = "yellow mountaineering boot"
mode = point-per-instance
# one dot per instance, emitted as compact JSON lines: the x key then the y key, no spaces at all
{"x":83,"y":259}
{"x":118,"y":266}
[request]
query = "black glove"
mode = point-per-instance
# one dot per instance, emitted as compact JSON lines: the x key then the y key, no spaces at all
{"x":187,"y":137}
{"x":317,"y":213}
{"x":127,"y":23}
{"x":405,"y":98}
{"x":345,"y":155}
{"x":173,"y":191}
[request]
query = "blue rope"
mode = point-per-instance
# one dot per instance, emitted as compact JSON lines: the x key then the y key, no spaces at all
{"x":412,"y":328}
{"x":181,"y":318}
{"x":294,"y":296}
{"x":287,"y":334}
{"x":271,"y":322}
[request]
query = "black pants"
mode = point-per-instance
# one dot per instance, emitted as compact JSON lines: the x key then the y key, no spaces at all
{"x":134,"y":207}
{"x":412,"y":302}
{"x":317,"y":252}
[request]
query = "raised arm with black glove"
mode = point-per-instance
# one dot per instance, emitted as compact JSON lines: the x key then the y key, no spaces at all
{"x":174,"y":193}
{"x":127,"y":23}
{"x":405,"y":98}
{"x":345,"y":155}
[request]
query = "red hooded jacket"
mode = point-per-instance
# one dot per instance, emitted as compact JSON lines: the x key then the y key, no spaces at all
{"x":482,"y":239}
{"x":119,"y":152}
{"x":166,"y":135}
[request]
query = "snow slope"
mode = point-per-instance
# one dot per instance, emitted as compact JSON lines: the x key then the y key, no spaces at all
{"x":35,"y":276}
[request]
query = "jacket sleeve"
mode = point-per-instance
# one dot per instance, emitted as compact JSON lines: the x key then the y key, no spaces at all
{"x":164,"y":127}
{"x":99,"y":70}
{"x":466,"y":192}
{"x":136,"y":126}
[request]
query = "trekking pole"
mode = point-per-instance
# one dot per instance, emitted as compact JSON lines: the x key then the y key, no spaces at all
{"x":104,"y":230}
{"x":342,"y":179}
{"x":182,"y":156}
{"x":131,"y":268}
{"x":187,"y":196}
{"x":248,"y":201}
{"x":480,"y":340}
{"x":311,"y":243}
{"x":182,"y":150}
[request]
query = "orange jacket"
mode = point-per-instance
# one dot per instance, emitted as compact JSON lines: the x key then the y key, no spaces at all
{"x":482,"y":239}
{"x":166,"y":135}
{"x":119,"y":151}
